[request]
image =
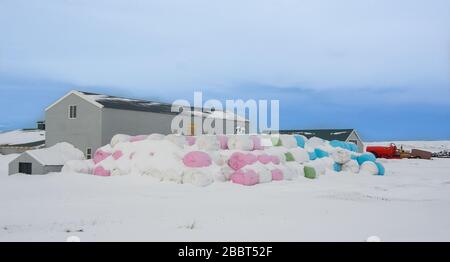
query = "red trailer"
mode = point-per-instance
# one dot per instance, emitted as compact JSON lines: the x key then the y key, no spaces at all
{"x":390,"y":151}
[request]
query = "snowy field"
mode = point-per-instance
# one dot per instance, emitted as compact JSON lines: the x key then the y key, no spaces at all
{"x":410,"y":203}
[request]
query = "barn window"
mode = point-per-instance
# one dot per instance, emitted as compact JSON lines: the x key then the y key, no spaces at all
{"x":72,"y":112}
{"x":353,"y":141}
{"x":88,"y":153}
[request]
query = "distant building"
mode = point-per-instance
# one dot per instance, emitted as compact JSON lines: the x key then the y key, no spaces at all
{"x":89,"y":121}
{"x":18,"y":141}
{"x":45,"y":160}
{"x":346,"y":135}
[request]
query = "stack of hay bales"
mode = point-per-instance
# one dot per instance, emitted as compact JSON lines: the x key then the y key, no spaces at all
{"x":242,"y":159}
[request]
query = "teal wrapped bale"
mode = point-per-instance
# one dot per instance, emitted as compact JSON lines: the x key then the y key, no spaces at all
{"x":381,"y":169}
{"x":321,"y":153}
{"x":337,"y":167}
{"x":366,"y":157}
{"x":353,"y":147}
{"x":301,"y":140}
{"x":345,"y":145}
{"x":312,"y":156}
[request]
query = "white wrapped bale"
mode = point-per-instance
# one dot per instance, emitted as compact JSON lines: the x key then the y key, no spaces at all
{"x":209,"y":143}
{"x":155,"y":136}
{"x":240,"y":142}
{"x":119,"y":138}
{"x":340,"y":156}
{"x":78,"y":166}
{"x":224,"y":174}
{"x":351,"y":166}
{"x":300,"y":155}
{"x":178,"y":140}
{"x":265,"y":176}
{"x":288,"y":141}
{"x":369,"y":167}
{"x":197,"y":176}
{"x":315,"y":142}
{"x":297,"y":169}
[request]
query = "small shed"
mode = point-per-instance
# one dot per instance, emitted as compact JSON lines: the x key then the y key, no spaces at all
{"x":345,"y":135}
{"x":46,"y":160}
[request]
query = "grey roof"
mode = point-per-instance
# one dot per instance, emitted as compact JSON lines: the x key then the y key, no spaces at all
{"x":327,"y":134}
{"x":31,"y":144}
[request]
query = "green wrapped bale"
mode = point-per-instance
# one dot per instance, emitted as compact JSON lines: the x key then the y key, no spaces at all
{"x":310,"y":172}
{"x":289,"y":157}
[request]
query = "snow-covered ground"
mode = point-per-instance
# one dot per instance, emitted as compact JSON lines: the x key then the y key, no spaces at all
{"x":410,"y":203}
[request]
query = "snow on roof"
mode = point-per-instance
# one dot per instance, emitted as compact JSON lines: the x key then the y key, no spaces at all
{"x":56,"y":155}
{"x":18,"y":137}
{"x":151,"y":106}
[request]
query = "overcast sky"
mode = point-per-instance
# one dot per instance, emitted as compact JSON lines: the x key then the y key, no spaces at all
{"x":380,"y":66}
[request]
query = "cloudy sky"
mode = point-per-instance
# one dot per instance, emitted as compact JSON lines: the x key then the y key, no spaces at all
{"x":380,"y":66}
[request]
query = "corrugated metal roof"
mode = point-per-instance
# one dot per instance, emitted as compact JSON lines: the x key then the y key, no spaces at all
{"x":327,"y":134}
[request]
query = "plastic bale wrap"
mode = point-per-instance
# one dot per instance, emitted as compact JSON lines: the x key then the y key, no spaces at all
{"x":223,"y":141}
{"x":178,"y":140}
{"x":155,"y":136}
{"x":340,"y":156}
{"x":351,"y":166}
{"x":301,"y":140}
{"x":337,"y":167}
{"x":310,"y":172}
{"x":264,"y":158}
{"x":224,"y":174}
{"x":240,"y":142}
{"x":197,"y":176}
{"x":245,"y":176}
{"x":207,"y":142}
{"x":197,"y":159}
{"x":312,"y":156}
{"x":288,"y":172}
{"x":288,"y":141}
{"x":321,"y":153}
{"x":366,"y":157}
{"x":276,"y":140}
{"x":300,"y":155}
{"x":369,"y":167}
{"x":190,"y":140}
{"x":78,"y":166}
{"x":315,"y":142}
{"x":289,"y":157}
{"x":297,"y":169}
{"x":138,"y":138}
{"x":237,"y":160}
{"x":380,"y":168}
{"x":264,"y":174}
{"x":119,"y":138}
{"x":102,"y":153}
{"x":218,"y":158}
{"x":101,"y":171}
{"x":277,"y":174}
{"x":257,"y":145}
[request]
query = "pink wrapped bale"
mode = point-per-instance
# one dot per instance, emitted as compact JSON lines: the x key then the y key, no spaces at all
{"x":223,"y":142}
{"x":275,"y":160}
{"x":237,"y":160}
{"x":251,"y":159}
{"x":100,"y":155}
{"x":118,"y":154}
{"x":264,"y":159}
{"x":277,"y":174}
{"x":138,"y":138}
{"x":257,"y":143}
{"x":246,"y":177}
{"x":197,"y":159}
{"x":190,"y":140}
{"x":100,"y":171}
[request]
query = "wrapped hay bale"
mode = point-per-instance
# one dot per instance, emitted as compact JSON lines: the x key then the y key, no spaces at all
{"x":209,"y":143}
{"x":178,"y":140}
{"x":119,"y":138}
{"x":240,"y":142}
{"x":277,"y":174}
{"x":288,"y":141}
{"x":321,"y":153}
{"x":237,"y":160}
{"x":190,"y":140}
{"x":300,"y":155}
{"x":337,"y":167}
{"x":366,"y":157}
{"x":288,"y":172}
{"x":245,"y":176}
{"x":101,"y":171}
{"x":351,"y":166}
{"x":264,"y":174}
{"x":224,"y":174}
{"x":257,"y":145}
{"x":310,"y":172}
{"x":369,"y":167}
{"x":78,"y":166}
{"x":198,"y":177}
{"x":276,"y":140}
{"x":312,"y":156}
{"x":138,"y":138}
{"x":197,"y":159}
{"x":380,"y":168}
{"x":264,"y":158}
{"x":218,"y":158}
{"x":102,"y":153}
{"x":155,"y":136}
{"x":315,"y":142}
{"x":301,"y":140}
{"x":296,"y":168}
{"x":289,"y":157}
{"x":340,"y":156}
{"x":223,"y":141}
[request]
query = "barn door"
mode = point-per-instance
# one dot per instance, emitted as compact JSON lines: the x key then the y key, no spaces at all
{"x":25,"y":168}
